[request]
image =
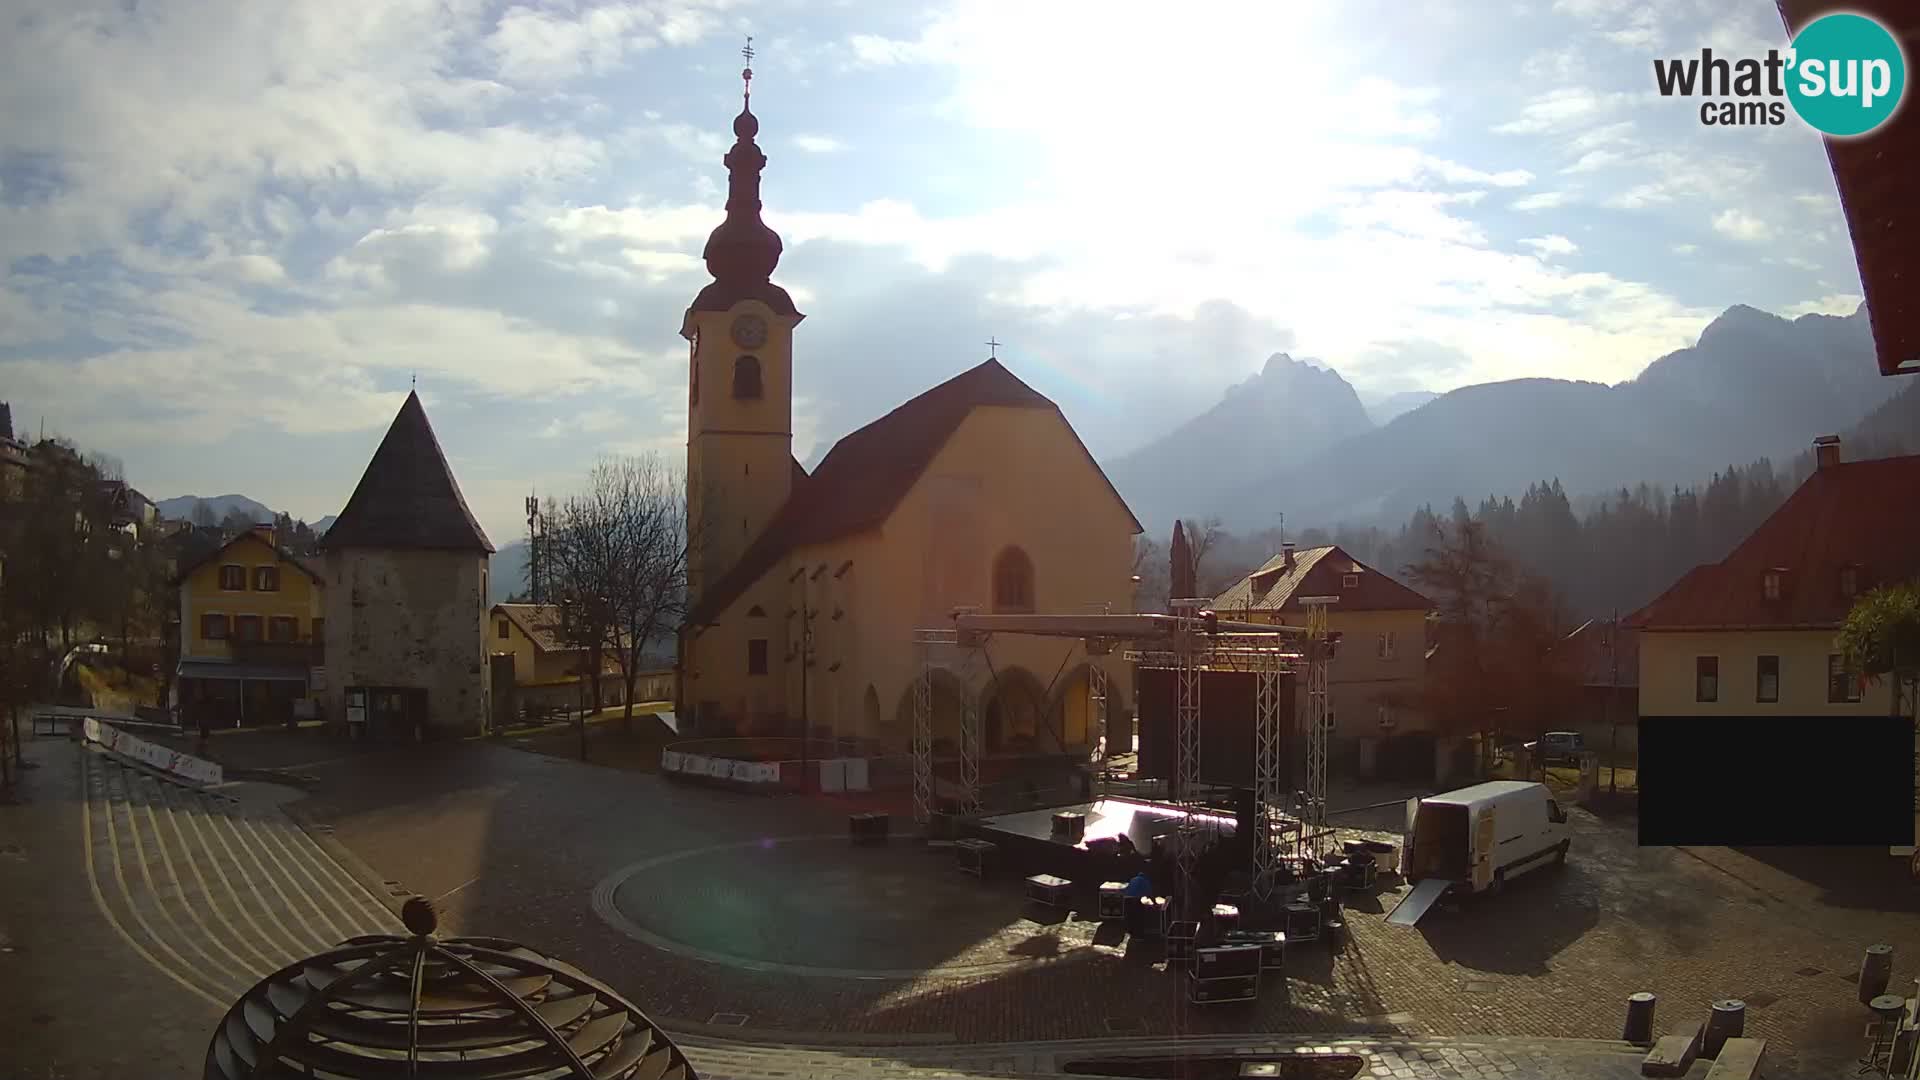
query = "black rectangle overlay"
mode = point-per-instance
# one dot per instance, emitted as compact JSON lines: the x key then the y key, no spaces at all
{"x":1743,"y":781}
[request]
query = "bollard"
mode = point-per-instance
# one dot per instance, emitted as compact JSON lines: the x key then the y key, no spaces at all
{"x":1876,"y":970}
{"x":1727,"y":1021}
{"x":1639,"y":1019}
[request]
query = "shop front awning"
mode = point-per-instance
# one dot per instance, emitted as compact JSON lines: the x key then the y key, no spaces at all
{"x":214,"y":669}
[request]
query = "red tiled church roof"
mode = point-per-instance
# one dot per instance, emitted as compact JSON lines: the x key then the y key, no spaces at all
{"x":866,"y":474}
{"x":1600,"y":658}
{"x":1318,"y":571}
{"x":1863,"y":514}
{"x":1878,"y":176}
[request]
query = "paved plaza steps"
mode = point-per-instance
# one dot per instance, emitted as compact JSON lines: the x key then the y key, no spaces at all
{"x":216,"y":887}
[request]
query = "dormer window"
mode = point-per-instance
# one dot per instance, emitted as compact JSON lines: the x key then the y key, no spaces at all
{"x":1770,"y":585}
{"x":1849,"y":581}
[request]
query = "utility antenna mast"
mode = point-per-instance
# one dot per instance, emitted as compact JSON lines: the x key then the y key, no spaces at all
{"x":533,"y":549}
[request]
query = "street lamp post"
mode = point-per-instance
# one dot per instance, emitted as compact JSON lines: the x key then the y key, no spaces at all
{"x":806,"y":661}
{"x":1613,"y":691}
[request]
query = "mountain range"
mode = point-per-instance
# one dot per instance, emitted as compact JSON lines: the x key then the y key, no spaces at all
{"x":1295,"y":439}
{"x":181,"y":508}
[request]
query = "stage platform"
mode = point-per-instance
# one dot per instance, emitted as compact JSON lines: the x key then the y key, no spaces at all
{"x":1027,"y":843}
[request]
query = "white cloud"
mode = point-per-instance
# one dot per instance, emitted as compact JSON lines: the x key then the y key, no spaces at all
{"x":512,"y":199}
{"x":1541,"y":200}
{"x":1740,"y":225}
{"x":1564,"y":110}
{"x":1685,"y":249}
{"x":1554,"y":244}
{"x":1630,"y":24}
{"x":585,"y":422}
{"x":1835,"y":304}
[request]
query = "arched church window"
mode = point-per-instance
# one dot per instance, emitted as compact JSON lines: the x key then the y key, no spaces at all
{"x":746,"y":377}
{"x":757,"y":612}
{"x":1012,"y":581}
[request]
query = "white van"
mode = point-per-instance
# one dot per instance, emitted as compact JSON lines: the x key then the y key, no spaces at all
{"x":1475,"y":839}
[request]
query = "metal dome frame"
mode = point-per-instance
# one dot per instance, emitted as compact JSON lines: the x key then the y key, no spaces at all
{"x":475,"y":1008}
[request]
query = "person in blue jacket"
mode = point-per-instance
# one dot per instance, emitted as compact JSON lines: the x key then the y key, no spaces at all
{"x":1137,"y":890}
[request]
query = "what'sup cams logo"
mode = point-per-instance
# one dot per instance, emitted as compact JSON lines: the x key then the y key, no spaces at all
{"x":1844,"y":74}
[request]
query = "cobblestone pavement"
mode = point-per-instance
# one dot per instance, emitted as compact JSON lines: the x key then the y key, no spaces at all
{"x":522,"y":840}
{"x":1424,"y":1059}
{"x":515,"y":844}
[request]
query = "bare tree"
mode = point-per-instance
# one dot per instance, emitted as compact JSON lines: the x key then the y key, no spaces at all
{"x":1150,"y":567}
{"x":618,"y":555}
{"x":1203,"y":537}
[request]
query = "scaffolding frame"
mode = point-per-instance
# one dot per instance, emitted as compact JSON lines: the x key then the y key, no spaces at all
{"x":952,"y":651}
{"x":1269,"y":779}
{"x":1312,"y":813}
{"x":1190,"y":641}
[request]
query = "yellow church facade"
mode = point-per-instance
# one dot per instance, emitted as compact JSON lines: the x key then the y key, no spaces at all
{"x":806,"y":589}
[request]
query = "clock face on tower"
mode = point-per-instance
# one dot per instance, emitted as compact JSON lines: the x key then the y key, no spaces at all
{"x":749,"y":331}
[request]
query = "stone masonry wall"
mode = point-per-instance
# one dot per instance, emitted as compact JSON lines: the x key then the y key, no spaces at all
{"x":414,"y":619}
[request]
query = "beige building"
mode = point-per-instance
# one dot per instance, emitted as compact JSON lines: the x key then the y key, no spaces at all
{"x":546,"y":669}
{"x":1753,"y":634}
{"x":1382,"y":654}
{"x":976,"y":493}
{"x":406,"y":586}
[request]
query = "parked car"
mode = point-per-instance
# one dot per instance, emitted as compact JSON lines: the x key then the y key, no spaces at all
{"x":1558,"y":748}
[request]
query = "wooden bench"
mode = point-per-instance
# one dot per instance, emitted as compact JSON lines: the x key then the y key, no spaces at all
{"x":1673,"y":1054}
{"x":1739,"y":1060}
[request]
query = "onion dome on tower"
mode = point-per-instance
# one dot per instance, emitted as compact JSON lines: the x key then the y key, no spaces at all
{"x":742,"y":251}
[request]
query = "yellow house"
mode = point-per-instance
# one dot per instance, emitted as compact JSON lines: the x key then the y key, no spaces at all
{"x":1382,"y":656}
{"x":806,"y":589}
{"x":1753,"y":635}
{"x":546,"y":668}
{"x":251,"y":633}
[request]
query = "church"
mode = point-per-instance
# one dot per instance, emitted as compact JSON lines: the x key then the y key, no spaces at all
{"x":805,"y":589}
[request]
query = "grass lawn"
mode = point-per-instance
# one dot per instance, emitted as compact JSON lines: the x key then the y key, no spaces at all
{"x":608,"y":740}
{"x":1624,"y":779}
{"x":114,"y":689}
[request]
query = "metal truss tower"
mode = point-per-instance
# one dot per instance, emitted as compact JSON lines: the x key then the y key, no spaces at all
{"x":1269,"y":770}
{"x":952,"y":651}
{"x":1313,"y":813}
{"x":1188,"y":641}
{"x":923,"y":731}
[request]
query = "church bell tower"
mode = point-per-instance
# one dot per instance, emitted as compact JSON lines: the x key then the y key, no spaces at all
{"x":740,"y":372}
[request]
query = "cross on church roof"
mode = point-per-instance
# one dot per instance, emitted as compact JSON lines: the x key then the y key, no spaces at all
{"x":993,"y":348}
{"x":746,"y":73}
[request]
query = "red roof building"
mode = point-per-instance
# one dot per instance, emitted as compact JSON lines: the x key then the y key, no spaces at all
{"x":1849,"y":527}
{"x":1753,"y":634}
{"x":1383,"y":640}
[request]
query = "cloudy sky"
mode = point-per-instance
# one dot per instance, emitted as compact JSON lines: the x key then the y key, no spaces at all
{"x":233,"y":231}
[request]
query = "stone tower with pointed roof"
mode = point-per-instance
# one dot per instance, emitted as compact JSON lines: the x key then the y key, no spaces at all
{"x":406,"y":573}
